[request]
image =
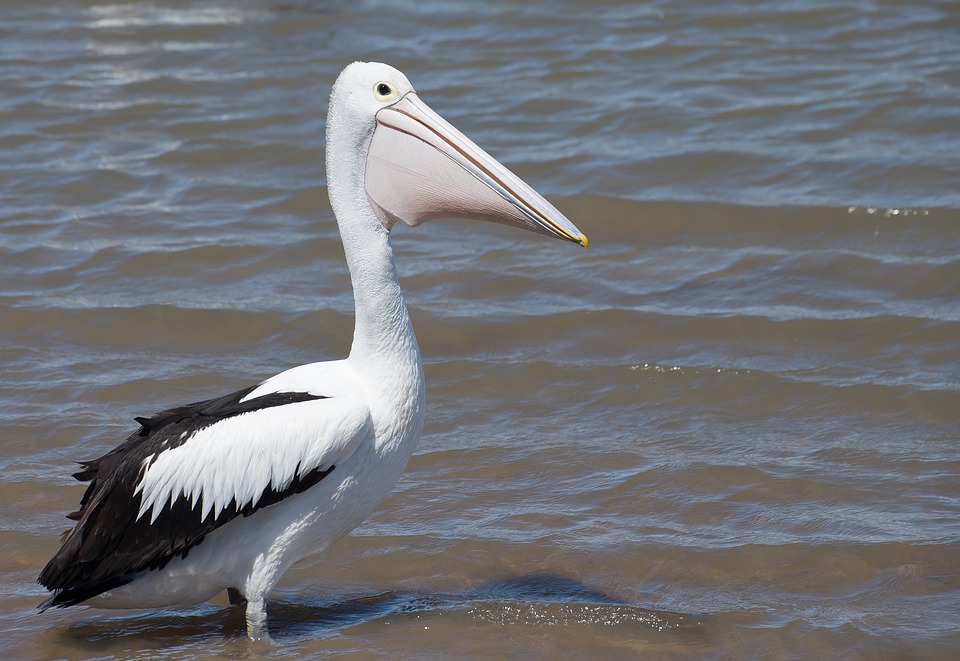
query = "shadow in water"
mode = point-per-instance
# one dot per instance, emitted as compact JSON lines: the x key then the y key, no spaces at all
{"x":543,"y":586}
{"x":531,"y":599}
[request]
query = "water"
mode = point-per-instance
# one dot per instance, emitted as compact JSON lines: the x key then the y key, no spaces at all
{"x":728,"y":429}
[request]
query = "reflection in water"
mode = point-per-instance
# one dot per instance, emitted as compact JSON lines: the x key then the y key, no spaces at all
{"x":535,"y":599}
{"x":739,"y":404}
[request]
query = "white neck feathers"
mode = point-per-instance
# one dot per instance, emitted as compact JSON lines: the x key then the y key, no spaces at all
{"x":383,"y":337}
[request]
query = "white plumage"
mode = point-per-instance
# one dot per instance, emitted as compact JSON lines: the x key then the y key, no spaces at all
{"x":236,"y":459}
{"x":229,"y":492}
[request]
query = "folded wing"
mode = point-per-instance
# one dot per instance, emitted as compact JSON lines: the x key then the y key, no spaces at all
{"x":190,"y":470}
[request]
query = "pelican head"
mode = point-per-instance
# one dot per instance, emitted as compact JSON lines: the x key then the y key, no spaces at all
{"x":419,"y":167}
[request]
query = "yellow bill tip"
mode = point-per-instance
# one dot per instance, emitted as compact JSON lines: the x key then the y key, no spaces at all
{"x":583,"y":240}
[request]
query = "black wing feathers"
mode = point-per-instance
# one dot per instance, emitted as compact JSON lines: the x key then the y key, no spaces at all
{"x":109,"y":546}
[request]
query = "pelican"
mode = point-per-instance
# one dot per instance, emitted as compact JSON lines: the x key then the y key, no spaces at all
{"x":228,"y":493}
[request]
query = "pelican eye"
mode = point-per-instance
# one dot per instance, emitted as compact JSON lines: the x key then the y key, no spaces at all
{"x":384,"y":92}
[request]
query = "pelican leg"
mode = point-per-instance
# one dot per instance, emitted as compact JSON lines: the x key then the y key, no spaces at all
{"x":236,"y":597}
{"x":257,"y":620}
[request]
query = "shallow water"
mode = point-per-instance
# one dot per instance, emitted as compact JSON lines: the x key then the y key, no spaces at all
{"x":728,"y":429}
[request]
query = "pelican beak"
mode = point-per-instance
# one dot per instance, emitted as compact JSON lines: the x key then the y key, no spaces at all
{"x":420,"y":167}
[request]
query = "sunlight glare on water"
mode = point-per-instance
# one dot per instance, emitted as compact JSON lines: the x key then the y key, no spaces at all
{"x":728,"y":429}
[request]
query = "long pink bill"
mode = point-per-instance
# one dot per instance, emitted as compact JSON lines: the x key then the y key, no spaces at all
{"x":420,"y":167}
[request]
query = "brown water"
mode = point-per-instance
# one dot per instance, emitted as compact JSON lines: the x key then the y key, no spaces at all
{"x":728,"y":429}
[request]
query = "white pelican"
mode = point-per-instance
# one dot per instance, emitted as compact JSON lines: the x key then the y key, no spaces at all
{"x":227,"y":493}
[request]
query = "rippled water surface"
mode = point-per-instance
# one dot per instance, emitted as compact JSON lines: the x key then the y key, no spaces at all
{"x":728,"y":429}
